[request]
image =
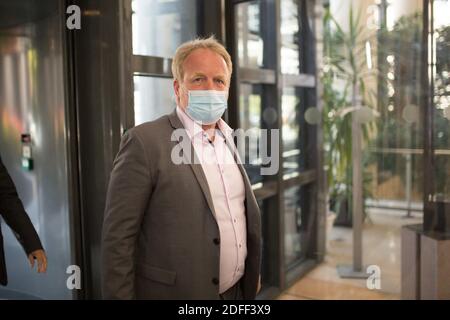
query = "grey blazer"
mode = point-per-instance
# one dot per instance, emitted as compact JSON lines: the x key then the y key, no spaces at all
{"x":160,"y":237}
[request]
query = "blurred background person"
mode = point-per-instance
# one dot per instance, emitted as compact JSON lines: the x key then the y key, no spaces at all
{"x":13,"y":213}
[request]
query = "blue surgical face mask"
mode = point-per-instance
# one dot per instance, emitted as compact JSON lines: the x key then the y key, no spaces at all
{"x":206,"y":106}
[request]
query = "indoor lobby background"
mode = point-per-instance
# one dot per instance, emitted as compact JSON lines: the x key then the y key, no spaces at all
{"x":360,"y":90}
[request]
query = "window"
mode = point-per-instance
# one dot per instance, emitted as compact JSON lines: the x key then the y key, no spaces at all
{"x":160,"y":26}
{"x":275,"y":93}
{"x":153,"y":98}
{"x":290,"y":104}
{"x":250,"y":121}
{"x":442,"y":100}
{"x":290,"y":52}
{"x":250,"y":42}
{"x":297,"y":215}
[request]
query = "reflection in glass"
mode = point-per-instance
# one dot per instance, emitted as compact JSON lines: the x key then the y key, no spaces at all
{"x":250,"y":43}
{"x":250,"y":119}
{"x":387,"y":54}
{"x":160,"y":26}
{"x":153,"y":98}
{"x":392,"y":156}
{"x":398,"y":151}
{"x":442,"y":98}
{"x":290,"y":130}
{"x":264,"y":258}
{"x":295,"y":211}
{"x":290,"y":55}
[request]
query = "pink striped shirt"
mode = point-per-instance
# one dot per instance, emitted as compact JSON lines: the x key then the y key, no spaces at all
{"x":228,"y":194}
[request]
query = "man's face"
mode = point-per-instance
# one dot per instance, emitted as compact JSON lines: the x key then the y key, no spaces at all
{"x":204,"y":69}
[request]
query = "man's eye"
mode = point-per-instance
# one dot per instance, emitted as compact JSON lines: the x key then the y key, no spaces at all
{"x":197,"y":79}
{"x":220,"y":81}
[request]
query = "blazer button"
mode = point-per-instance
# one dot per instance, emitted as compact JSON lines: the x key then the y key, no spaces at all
{"x":216,"y":241}
{"x":215,"y":281}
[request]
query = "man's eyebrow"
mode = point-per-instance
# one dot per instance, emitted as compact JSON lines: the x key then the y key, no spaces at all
{"x":198,"y":74}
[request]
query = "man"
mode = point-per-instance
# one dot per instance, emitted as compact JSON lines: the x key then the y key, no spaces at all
{"x":187,"y":230}
{"x":13,"y":213}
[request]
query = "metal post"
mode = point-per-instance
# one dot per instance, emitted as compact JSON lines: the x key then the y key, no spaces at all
{"x":356,"y":271}
{"x":357,"y":188}
{"x":408,"y":185}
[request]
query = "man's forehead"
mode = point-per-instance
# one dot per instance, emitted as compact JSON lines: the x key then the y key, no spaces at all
{"x":205,"y":59}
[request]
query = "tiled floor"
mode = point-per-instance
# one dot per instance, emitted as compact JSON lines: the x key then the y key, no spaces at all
{"x":381,"y":247}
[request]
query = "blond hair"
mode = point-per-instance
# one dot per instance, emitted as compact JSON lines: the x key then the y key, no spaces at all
{"x":184,"y":50}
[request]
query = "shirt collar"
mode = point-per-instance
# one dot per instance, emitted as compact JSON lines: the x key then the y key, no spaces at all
{"x":194,"y":129}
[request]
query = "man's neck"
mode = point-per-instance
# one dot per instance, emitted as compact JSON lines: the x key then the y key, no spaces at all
{"x":210,"y":130}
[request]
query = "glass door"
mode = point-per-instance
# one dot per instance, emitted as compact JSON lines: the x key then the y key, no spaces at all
{"x":437,"y":119}
{"x":274,"y":97}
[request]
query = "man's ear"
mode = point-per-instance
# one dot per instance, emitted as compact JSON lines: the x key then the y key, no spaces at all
{"x":176,"y":86}
{"x":176,"y":89}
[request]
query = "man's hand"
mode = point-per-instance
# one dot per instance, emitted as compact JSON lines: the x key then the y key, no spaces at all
{"x":41,"y":258}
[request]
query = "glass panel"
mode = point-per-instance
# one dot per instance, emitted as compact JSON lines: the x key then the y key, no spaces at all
{"x":381,"y":89}
{"x":388,"y":75}
{"x":160,"y":26}
{"x":296,"y":234}
{"x":290,"y":105}
{"x":290,"y":54}
{"x":442,"y":99}
{"x":264,"y":258}
{"x":299,"y":117}
{"x":250,"y":42}
{"x":395,"y":163}
{"x":292,"y":223}
{"x":34,"y":100}
{"x":153,"y":98}
{"x":250,"y":118}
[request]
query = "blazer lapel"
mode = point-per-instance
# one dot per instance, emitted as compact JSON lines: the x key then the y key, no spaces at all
{"x":195,"y":165}
{"x":249,"y":196}
{"x":250,"y":201}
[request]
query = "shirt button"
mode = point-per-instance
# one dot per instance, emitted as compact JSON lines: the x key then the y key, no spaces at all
{"x":216,"y":241}
{"x":234,"y":220}
{"x":240,"y":245}
{"x":215,"y":281}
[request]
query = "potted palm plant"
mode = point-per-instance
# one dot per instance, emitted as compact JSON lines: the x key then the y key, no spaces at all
{"x":345,"y":94}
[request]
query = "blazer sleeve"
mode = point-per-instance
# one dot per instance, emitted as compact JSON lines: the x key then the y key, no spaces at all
{"x":13,"y":212}
{"x":128,"y":193}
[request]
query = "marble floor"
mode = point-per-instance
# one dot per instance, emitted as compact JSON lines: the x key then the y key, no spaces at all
{"x":381,"y":247}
